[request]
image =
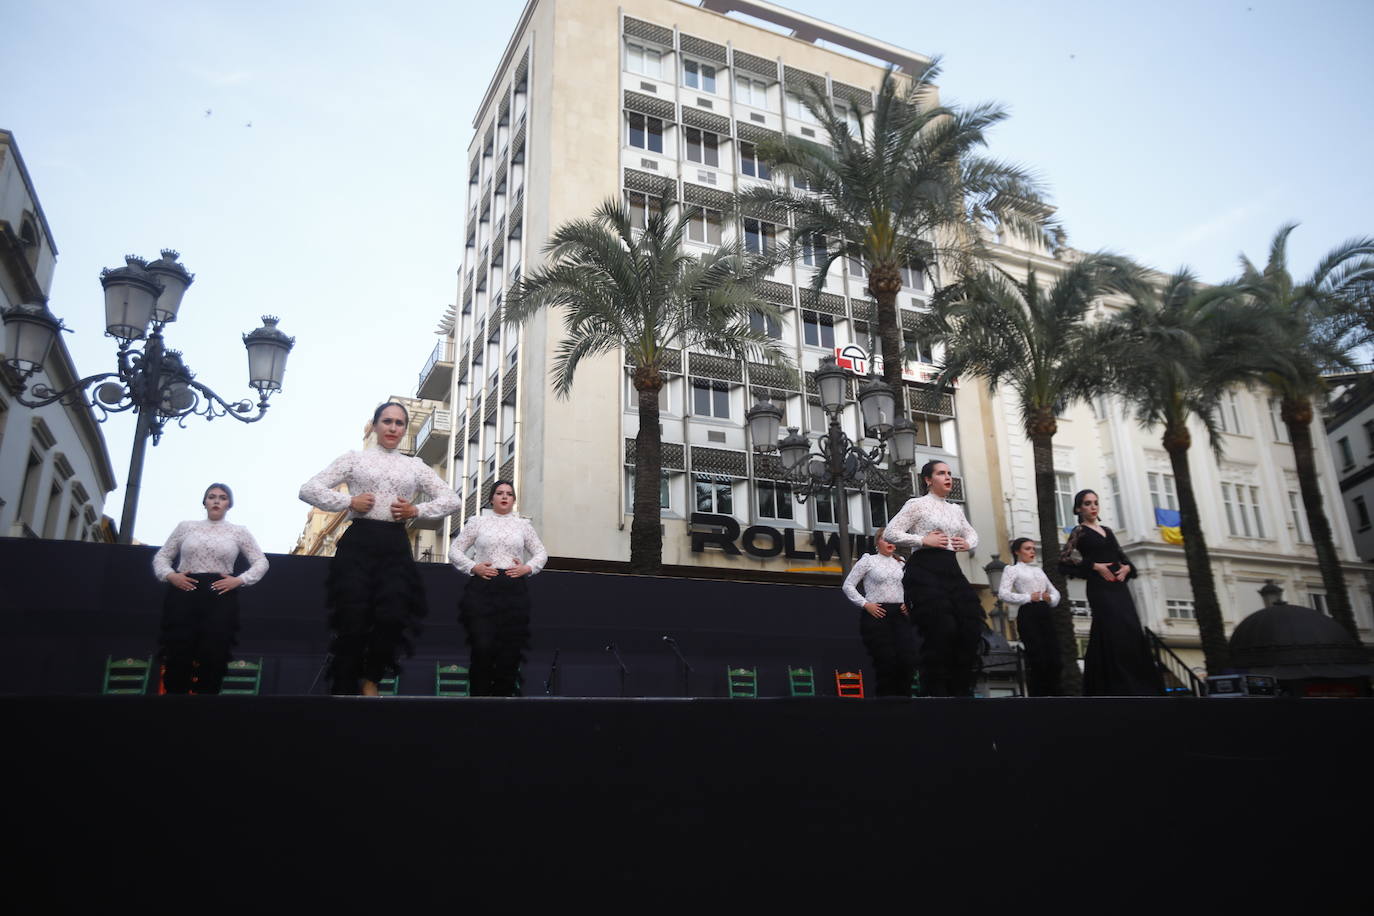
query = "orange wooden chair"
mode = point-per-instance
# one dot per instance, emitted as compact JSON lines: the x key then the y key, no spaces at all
{"x":849,"y":683}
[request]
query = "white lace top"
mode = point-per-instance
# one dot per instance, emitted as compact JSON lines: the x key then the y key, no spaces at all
{"x":923,"y":514}
{"x":1020,"y":580}
{"x":499,"y":540}
{"x":881,"y":577}
{"x":385,"y":473}
{"x":210,"y":547}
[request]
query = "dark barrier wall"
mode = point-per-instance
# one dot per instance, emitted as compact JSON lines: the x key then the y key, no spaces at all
{"x":65,"y":606}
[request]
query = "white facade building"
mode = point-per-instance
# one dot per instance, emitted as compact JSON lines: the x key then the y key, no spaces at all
{"x":54,"y":468}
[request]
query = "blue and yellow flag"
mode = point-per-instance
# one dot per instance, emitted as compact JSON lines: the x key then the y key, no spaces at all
{"x":1169,"y":522}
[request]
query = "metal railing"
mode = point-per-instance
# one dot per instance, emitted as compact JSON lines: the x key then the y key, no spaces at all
{"x":443,"y":350}
{"x":1168,"y":662}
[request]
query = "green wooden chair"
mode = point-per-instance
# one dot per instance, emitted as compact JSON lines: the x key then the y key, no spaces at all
{"x":126,"y":675}
{"x":451,"y":680}
{"x":915,"y":683}
{"x":243,"y":677}
{"x":389,"y":686}
{"x":801,"y":681}
{"x":744,"y":682}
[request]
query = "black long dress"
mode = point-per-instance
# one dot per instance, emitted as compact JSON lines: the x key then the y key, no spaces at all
{"x":1118,"y":662}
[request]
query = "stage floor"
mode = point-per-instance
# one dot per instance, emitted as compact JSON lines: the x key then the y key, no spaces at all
{"x":312,"y":804}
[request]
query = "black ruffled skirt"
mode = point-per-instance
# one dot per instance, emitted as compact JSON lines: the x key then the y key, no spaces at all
{"x":949,"y":619}
{"x":376,"y":601}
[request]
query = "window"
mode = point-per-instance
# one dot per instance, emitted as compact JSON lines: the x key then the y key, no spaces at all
{"x":1063,"y":499}
{"x":928,"y":429}
{"x":644,"y":61}
{"x":1228,"y":414}
{"x":813,"y":249}
{"x":815,"y":416}
{"x":713,"y":494}
{"x":1369,"y":435}
{"x":850,"y":116}
{"x":818,"y":330}
{"x":1243,"y":516}
{"x":1179,"y":608}
{"x":918,"y":350}
{"x":823,"y":504}
{"x":696,"y":75}
{"x":1162,"y":495}
{"x":796,"y":108}
{"x":1118,"y":507}
{"x":711,"y":399}
{"x":1347,"y":454}
{"x":802,"y":183}
{"x":705,"y":227}
{"x":877,"y":508}
{"x":856,"y":267}
{"x":1299,"y":515}
{"x":646,"y":133}
{"x":913,"y":277}
{"x":1080,"y":608}
{"x":1318,"y":600}
{"x":664,"y":500}
{"x":1361,"y":512}
{"x":751,"y":92}
{"x":632,"y":396}
{"x":702,"y":146}
{"x":750,"y":164}
{"x":766,"y":324}
{"x":1281,"y":428}
{"x":775,"y":499}
{"x":642,"y":207}
{"x":760,"y":237}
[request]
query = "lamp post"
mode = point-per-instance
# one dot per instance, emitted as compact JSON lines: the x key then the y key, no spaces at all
{"x":994,"y":569}
{"x":141,"y":298}
{"x":837,"y":461}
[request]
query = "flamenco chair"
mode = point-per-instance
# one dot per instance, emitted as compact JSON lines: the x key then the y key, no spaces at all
{"x":743,"y":682}
{"x":451,"y":680}
{"x":127,"y":675}
{"x":801,"y":681}
{"x":915,"y":683}
{"x":849,"y":684}
{"x":243,"y":678}
{"x":389,"y":686}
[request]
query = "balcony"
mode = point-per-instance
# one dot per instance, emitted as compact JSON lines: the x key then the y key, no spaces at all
{"x":437,"y":374}
{"x":431,"y":442}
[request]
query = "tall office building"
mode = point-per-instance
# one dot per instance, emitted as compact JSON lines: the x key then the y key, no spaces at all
{"x":648,"y":99}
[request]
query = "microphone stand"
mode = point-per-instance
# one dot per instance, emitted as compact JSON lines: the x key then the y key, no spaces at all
{"x":624,"y":672}
{"x":686,"y":666}
{"x":551,"y":681}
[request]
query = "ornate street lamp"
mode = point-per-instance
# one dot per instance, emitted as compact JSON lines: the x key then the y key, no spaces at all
{"x":154,"y":382}
{"x":838,"y":463}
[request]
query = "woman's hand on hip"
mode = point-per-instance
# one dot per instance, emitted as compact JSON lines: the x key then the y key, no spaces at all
{"x":516,"y":572}
{"x":875,"y":610}
{"x":403,"y":509}
{"x":936,"y":538}
{"x":486,"y":571}
{"x":225,"y":584}
{"x":181,"y":581}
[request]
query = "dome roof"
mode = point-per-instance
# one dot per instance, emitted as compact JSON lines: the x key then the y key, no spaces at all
{"x":1291,"y":642}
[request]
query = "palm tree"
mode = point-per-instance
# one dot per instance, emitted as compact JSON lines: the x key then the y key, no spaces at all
{"x":905,"y":189}
{"x":1033,"y":339}
{"x":639,"y":291}
{"x":1305,"y":321}
{"x":1181,"y":347}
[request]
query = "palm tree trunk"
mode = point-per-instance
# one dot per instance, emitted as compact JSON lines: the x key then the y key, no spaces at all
{"x":1040,"y":430}
{"x":884,"y":282}
{"x":1206,"y":607}
{"x":1297,"y":416}
{"x":646,"y":531}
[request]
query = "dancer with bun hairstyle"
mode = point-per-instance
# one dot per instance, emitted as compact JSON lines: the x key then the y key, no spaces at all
{"x":884,"y":624}
{"x":373,"y":590}
{"x":943,"y":605}
{"x":1032,"y":598}
{"x":200,"y":613}
{"x":1118,"y":661}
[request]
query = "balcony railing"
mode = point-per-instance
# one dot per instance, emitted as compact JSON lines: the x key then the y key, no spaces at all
{"x":438,"y":372}
{"x":431,"y":442}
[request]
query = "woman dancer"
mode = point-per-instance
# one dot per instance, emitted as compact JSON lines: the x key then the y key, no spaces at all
{"x":1028,"y":588}
{"x":943,"y":605}
{"x":1118,"y":662}
{"x":200,"y":614}
{"x":884,"y":623}
{"x":495,"y":608}
{"x":373,"y":590}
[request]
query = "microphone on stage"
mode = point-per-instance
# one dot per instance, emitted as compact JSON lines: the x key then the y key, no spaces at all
{"x":553,"y":673}
{"x":624,"y":672}
{"x":686,"y":665}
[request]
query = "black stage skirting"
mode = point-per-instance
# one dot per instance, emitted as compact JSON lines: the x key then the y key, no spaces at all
{"x":65,"y":606}
{"x":320,"y":805}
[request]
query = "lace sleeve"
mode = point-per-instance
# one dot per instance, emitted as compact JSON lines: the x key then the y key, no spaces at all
{"x":162,"y":560}
{"x":1071,"y":562}
{"x":319,"y":490}
{"x":257,"y":560}
{"x":441,"y":500}
{"x":534,"y":547}
{"x":458,"y":550}
{"x":851,"y":581}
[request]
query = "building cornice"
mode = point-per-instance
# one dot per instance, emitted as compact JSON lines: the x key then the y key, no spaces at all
{"x":506,"y":57}
{"x":811,"y":30}
{"x":7,"y":142}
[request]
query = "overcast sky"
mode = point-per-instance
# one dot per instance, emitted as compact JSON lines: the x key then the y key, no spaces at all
{"x":307,"y":159}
